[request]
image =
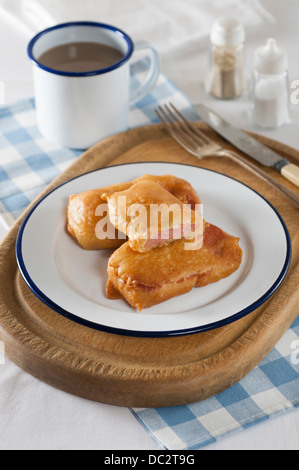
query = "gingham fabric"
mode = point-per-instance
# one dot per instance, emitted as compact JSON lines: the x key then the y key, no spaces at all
{"x":28,"y":163}
{"x":270,"y":389}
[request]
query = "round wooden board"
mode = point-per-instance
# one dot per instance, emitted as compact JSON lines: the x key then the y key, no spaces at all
{"x":143,"y":372}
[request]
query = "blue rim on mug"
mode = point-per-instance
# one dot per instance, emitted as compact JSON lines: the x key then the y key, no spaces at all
{"x":118,"y":31}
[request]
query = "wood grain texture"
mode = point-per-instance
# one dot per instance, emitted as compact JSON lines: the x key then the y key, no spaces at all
{"x":144,"y":372}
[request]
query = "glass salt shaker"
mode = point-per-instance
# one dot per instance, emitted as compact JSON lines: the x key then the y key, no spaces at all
{"x":270,"y":107}
{"x":226,"y":76}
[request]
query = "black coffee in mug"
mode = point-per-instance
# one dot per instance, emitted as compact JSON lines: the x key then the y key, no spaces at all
{"x":80,"y":57}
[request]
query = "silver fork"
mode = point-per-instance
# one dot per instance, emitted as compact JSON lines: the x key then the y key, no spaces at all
{"x":194,"y":141}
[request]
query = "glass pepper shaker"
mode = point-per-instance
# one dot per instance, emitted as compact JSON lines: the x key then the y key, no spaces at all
{"x":226,"y":75}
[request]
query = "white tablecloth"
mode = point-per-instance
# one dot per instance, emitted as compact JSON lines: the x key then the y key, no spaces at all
{"x":36,"y":416}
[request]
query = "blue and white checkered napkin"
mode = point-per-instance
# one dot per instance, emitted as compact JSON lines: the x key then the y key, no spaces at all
{"x":28,"y":163}
{"x":270,"y":389}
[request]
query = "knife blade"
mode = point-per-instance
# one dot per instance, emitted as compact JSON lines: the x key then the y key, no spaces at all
{"x":248,"y":145}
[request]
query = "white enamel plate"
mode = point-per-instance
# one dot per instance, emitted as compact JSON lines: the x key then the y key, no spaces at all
{"x":72,"y":281}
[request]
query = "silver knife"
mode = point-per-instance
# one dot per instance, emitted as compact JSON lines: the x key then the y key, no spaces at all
{"x":248,"y":145}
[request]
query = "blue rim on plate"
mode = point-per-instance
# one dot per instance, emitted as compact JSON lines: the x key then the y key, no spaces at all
{"x":93,"y":24}
{"x":153,"y":334}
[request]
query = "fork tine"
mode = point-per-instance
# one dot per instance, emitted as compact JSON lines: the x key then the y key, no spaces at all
{"x":183,"y":124}
{"x":181,"y":128}
{"x":191,"y":126}
{"x":171,"y":125}
{"x":181,"y":137}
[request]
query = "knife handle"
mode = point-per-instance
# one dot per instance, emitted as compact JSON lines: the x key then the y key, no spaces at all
{"x":291,"y":173}
{"x":289,"y":193}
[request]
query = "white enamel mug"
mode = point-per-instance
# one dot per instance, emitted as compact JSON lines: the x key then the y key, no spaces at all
{"x":77,"y":110}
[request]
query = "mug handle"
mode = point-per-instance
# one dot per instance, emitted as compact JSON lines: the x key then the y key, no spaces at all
{"x":152,"y":76}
